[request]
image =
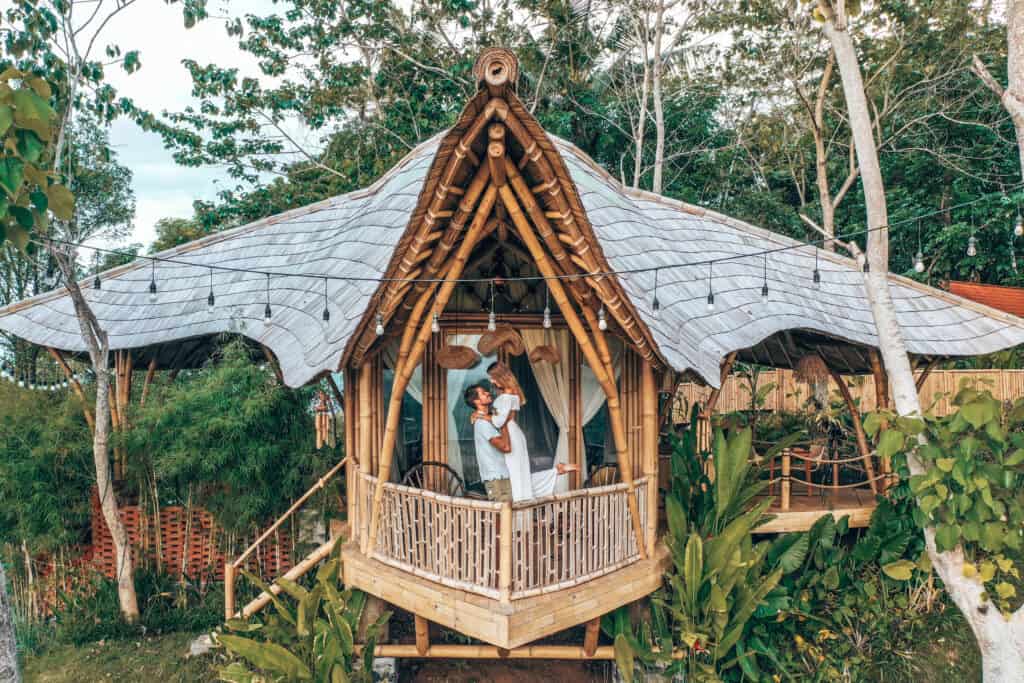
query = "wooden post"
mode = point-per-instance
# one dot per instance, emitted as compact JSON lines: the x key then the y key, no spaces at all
{"x":881,"y":380}
{"x":576,"y":479}
{"x":229,"y":590}
{"x":422,"y":634}
{"x":591,"y":635}
{"x":923,"y":377}
{"x":75,"y":386}
{"x":363,"y":435}
{"x":352,"y":467}
{"x":547,"y":270}
{"x":786,"y":463}
{"x":649,"y":437}
{"x":505,"y":554}
{"x":858,"y":428}
{"x":409,"y":358}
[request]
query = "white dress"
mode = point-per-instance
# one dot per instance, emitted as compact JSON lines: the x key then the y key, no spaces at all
{"x":525,"y":485}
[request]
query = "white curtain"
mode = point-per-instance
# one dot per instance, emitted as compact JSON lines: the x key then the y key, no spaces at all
{"x":456,"y":380}
{"x":553,"y":381}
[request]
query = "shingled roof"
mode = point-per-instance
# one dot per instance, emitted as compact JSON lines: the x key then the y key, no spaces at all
{"x":363,"y":234}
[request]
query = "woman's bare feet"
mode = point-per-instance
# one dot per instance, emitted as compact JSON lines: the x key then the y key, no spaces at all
{"x":566,"y":468}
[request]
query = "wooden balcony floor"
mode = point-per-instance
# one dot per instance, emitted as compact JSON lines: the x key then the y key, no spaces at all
{"x":805,"y":509}
{"x":504,"y":625}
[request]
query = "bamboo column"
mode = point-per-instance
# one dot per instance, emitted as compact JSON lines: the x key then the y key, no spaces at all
{"x":422,"y":634}
{"x":408,"y":358}
{"x":858,"y":429}
{"x":365,"y":426}
{"x":590,"y":636}
{"x":607,"y":382}
{"x":575,"y":415}
{"x":229,"y":590}
{"x":505,"y":554}
{"x":352,"y":467}
{"x":649,"y":435}
{"x":881,"y":379}
{"x":150,"y":372}
{"x":786,"y":465}
{"x":75,"y":386}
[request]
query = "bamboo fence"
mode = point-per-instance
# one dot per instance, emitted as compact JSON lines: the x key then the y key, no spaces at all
{"x":790,"y":395}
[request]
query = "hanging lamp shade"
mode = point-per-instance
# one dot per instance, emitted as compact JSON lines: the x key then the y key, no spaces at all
{"x":545,"y":353}
{"x":503,"y":337}
{"x":457,"y":357}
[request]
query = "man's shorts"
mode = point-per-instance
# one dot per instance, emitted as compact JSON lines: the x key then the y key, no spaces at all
{"x":499,"y":490}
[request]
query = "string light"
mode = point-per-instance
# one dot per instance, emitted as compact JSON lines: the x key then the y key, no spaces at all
{"x":435,"y":319}
{"x":711,"y":292}
{"x":867,"y":264}
{"x":972,"y":246}
{"x":492,"y":320}
{"x":547,"y":307}
{"x":655,"y":304}
{"x":816,"y":275}
{"x":211,"y":300}
{"x":96,"y":266}
{"x":379,"y":329}
{"x":152,"y":284}
{"x":1018,"y":226}
{"x":919,"y":257}
{"x":266,"y":309}
{"x":764,"y":281}
{"x":602,"y":323}
{"x":326,"y":315}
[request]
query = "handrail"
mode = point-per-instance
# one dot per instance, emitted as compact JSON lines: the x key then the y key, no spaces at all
{"x":320,"y":483}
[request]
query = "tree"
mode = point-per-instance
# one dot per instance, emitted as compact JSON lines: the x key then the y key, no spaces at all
{"x":1011,"y":97}
{"x":1000,"y":638}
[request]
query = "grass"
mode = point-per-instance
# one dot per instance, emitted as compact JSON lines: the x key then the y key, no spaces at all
{"x":158,"y":659}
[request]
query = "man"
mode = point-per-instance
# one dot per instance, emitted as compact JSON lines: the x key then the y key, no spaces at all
{"x":491,"y":461}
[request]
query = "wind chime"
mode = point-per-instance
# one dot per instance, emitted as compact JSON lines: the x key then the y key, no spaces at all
{"x":324,"y":421}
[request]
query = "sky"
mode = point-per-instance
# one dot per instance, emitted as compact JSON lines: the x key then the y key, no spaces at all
{"x":162,"y":187}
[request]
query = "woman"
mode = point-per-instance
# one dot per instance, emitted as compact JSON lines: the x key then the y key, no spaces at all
{"x":506,"y":406}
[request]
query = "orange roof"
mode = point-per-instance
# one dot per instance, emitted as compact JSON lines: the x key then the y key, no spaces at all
{"x":1009,"y":299}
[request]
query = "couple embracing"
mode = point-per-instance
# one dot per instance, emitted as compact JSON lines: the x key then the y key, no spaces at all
{"x":501,"y":450}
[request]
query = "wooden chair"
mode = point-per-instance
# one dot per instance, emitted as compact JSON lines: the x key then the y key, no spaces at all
{"x":437,"y":477}
{"x":603,"y":476}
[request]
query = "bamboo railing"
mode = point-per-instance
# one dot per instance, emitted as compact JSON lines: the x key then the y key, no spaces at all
{"x":505,"y":551}
{"x":791,"y":479}
{"x":231,"y":569}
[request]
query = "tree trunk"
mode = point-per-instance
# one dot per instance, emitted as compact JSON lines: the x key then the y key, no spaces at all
{"x":8,"y":646}
{"x":99,"y":352}
{"x":1013,"y":98}
{"x":659,"y":105}
{"x":1001,"y":641}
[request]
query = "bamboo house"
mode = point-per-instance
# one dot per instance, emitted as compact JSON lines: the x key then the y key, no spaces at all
{"x":497,"y":241}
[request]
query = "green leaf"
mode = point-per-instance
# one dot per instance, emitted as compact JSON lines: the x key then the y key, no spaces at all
{"x":30,"y":147}
{"x":32,"y":112}
{"x":242,"y":626}
{"x":624,"y":658}
{"x":693,"y":569}
{"x":12,"y":173}
{"x":6,"y":118}
{"x":23,"y":216}
{"x":62,"y":202}
{"x":268,"y":656}
{"x":947,"y":536}
{"x":38,"y":200}
{"x":1005,"y":590}
{"x":675,"y":516}
{"x":890,"y":443}
{"x":945,"y":464}
{"x":900,"y":570}
{"x":236,"y":672}
{"x":794,"y":556}
{"x":978,"y":412}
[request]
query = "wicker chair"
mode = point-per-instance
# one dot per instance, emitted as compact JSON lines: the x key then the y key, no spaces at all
{"x":437,"y":477}
{"x":603,"y":476}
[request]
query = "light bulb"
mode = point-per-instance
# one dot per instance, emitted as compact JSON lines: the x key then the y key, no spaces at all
{"x":816,"y":276}
{"x":152,"y":291}
{"x":326,"y":315}
{"x":435,"y":324}
{"x":211,"y":304}
{"x":655,"y":305}
{"x":972,"y":246}
{"x":379,"y":329}
{"x":764,"y":293}
{"x":602,"y":324}
{"x":1018,"y":227}
{"x":547,"y":318}
{"x":21,"y":383}
{"x":711,"y":301}
{"x":492,"y":322}
{"x":96,"y":282}
{"x":266,"y":314}
{"x":919,"y":262}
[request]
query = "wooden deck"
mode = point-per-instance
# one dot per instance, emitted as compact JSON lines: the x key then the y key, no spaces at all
{"x":805,"y":509}
{"x":511,"y":624}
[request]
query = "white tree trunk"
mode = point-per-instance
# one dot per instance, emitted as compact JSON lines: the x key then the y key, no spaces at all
{"x":8,"y":646}
{"x":1000,"y":641}
{"x":99,"y":352}
{"x":659,"y":105}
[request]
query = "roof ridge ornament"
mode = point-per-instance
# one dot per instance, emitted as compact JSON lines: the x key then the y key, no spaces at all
{"x":497,"y":68}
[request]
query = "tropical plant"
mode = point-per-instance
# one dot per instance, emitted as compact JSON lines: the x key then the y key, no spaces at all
{"x":310,"y":640}
{"x":971,"y":490}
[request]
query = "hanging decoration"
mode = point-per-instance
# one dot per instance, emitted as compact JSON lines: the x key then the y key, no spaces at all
{"x":812,"y":371}
{"x":505,"y":338}
{"x":457,"y":356}
{"x":267,"y":313}
{"x":324,"y":421}
{"x":711,"y":292}
{"x":152,"y":285}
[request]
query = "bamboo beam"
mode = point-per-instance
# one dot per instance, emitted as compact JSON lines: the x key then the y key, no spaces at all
{"x":408,"y":358}
{"x":858,"y":427}
{"x":75,"y":386}
{"x":547,"y":270}
{"x":928,"y":369}
{"x":649,"y":437}
{"x":442,"y":651}
{"x":150,"y":373}
{"x":709,"y":406}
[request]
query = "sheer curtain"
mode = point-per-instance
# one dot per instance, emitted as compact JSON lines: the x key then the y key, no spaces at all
{"x":553,"y":382}
{"x":414,"y":389}
{"x":592,"y":396}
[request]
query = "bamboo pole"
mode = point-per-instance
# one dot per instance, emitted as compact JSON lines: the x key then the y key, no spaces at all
{"x":422,"y":635}
{"x":296,"y":572}
{"x":786,"y":464}
{"x":607,"y":382}
{"x":858,"y":428}
{"x":649,"y":437}
{"x":928,"y":369}
{"x":443,"y":651}
{"x":505,"y":554}
{"x":75,"y":385}
{"x":881,"y":380}
{"x":229,"y":591}
{"x":351,"y":485}
{"x":575,"y":416}
{"x":150,"y":372}
{"x":412,"y":356}
{"x":593,"y":630}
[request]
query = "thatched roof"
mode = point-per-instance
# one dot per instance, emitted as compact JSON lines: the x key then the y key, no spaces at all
{"x":380,"y":231}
